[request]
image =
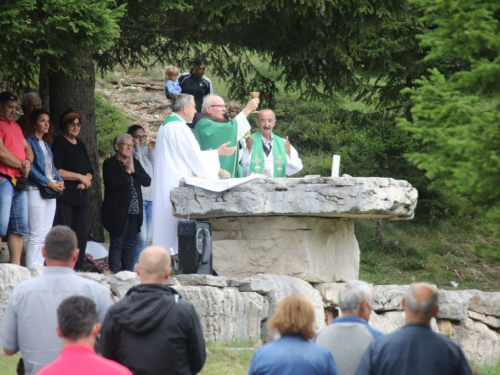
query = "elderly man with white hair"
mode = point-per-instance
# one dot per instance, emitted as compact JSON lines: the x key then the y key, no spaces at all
{"x":348,"y":337}
{"x":415,"y":348}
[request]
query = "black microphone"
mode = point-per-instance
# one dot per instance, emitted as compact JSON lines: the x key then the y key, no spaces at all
{"x":227,"y":117}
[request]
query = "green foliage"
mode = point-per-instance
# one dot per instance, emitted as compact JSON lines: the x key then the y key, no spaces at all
{"x":109,"y":123}
{"x":456,"y":116}
{"x":55,"y":32}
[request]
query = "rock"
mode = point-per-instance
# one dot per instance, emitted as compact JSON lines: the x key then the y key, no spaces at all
{"x":36,"y":271}
{"x":392,"y":321}
{"x":453,"y":305}
{"x":121,"y":282}
{"x":256,"y":284}
{"x":227,"y":315}
{"x":387,"y":322}
{"x":347,"y":197}
{"x":329,"y":292}
{"x":490,"y":321}
{"x":201,"y":280}
{"x":487,"y":303}
{"x":238,"y":282}
{"x":313,"y":249}
{"x":388,"y":297}
{"x":98,"y":277}
{"x":445,"y":328}
{"x":283,"y":286}
{"x":10,"y":276}
{"x":480,"y":344}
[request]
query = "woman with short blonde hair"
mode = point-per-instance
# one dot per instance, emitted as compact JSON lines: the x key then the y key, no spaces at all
{"x":293,"y":353}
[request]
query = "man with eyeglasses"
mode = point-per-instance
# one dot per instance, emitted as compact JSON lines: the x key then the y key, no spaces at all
{"x":16,"y":158}
{"x":211,"y":131}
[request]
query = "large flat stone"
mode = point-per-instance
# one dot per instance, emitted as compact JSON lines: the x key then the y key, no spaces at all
{"x":227,"y":315}
{"x":312,"y":249}
{"x":347,"y":197}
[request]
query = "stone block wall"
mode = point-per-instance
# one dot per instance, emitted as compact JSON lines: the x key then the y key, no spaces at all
{"x":237,"y":309}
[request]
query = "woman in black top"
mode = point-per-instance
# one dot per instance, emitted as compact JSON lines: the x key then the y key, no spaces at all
{"x":122,"y":210}
{"x":73,"y":164}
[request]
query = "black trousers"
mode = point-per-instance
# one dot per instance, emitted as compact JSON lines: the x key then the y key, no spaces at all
{"x":77,"y":218}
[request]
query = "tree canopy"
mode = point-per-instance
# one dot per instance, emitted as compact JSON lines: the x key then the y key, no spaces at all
{"x":457,"y":114}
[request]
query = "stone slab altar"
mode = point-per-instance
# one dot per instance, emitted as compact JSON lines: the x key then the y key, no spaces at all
{"x":301,"y":227}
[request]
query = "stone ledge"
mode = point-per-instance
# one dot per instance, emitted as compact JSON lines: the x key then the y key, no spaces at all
{"x":341,"y":197}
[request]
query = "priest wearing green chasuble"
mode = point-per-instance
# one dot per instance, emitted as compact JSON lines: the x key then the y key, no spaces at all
{"x":211,"y":131}
{"x":271,"y":155}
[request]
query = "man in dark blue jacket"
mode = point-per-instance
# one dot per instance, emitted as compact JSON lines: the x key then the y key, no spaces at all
{"x":415,"y":348}
{"x":196,"y":83}
{"x":153,"y":330}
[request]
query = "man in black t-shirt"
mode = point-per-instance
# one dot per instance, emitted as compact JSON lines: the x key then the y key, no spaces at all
{"x":196,"y":83}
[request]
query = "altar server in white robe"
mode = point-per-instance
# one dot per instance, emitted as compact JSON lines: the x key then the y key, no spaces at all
{"x":270,"y":154}
{"x":178,"y":155}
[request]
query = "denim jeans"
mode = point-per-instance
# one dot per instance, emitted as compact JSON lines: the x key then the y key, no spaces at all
{"x":13,"y":209}
{"x":121,"y":248}
{"x":144,"y":236}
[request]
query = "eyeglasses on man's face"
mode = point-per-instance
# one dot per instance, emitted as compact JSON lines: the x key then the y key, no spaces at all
{"x":218,"y":106}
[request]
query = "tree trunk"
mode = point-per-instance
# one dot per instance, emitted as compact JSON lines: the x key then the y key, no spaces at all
{"x":378,"y":233}
{"x":68,"y":92}
{"x":43,"y":85}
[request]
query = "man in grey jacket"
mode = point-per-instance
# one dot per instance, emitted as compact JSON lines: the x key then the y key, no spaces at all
{"x":348,"y":337}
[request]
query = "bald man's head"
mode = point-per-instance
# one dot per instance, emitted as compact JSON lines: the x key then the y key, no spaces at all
{"x":421,"y":302}
{"x":154,"y":265}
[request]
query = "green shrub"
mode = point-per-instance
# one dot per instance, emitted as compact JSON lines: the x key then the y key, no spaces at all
{"x":109,"y":123}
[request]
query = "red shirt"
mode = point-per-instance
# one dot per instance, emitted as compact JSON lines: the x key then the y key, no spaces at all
{"x":82,"y":360}
{"x":13,"y":140}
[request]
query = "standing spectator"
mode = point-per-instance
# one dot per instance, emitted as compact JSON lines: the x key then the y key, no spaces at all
{"x":122,"y":208}
{"x":172,"y":87}
{"x":29,"y":102}
{"x":38,"y":132}
{"x":73,"y":164}
{"x":30,"y":317}
{"x":145,"y":153}
{"x":415,"y":348}
{"x":16,"y":158}
{"x":78,"y":328}
{"x":293,"y":353}
{"x":153,"y":330}
{"x":196,"y":83}
{"x":348,"y":337}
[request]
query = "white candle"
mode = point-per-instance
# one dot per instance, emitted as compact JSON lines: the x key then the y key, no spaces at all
{"x":335,"y":165}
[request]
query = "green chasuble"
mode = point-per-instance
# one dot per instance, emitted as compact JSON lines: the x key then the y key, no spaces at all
{"x":212,"y":134}
{"x":278,"y":151}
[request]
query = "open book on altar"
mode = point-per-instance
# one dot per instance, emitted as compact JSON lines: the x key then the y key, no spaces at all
{"x":219,"y":185}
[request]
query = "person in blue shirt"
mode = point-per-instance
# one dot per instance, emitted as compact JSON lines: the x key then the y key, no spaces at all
{"x":172,"y":87}
{"x":415,"y":349}
{"x":293,"y":353}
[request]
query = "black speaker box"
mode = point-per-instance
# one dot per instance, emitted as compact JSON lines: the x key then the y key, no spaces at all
{"x":195,"y":247}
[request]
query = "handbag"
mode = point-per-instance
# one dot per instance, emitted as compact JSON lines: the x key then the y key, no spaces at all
{"x":48,"y":193}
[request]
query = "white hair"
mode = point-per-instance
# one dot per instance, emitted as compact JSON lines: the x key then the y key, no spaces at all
{"x":352,"y":295}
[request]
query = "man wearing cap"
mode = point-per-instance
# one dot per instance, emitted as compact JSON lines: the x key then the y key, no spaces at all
{"x":16,"y":157}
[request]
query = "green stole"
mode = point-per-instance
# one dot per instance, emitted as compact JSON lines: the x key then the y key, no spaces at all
{"x":171,"y":119}
{"x":211,"y":134}
{"x":257,"y":164}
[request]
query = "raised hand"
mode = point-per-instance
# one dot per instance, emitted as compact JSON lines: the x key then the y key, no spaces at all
{"x":226,"y":151}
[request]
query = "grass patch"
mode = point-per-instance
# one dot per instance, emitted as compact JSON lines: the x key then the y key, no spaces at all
{"x":228,"y":359}
{"x":437,"y":253}
{"x":8,"y":365}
